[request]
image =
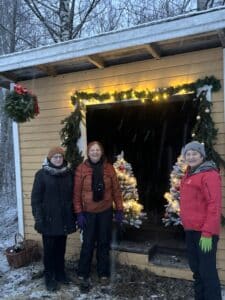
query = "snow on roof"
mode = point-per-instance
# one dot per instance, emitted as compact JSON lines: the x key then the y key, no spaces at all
{"x":90,"y":49}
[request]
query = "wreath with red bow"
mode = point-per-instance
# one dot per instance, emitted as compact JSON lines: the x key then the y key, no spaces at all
{"x":21,"y":105}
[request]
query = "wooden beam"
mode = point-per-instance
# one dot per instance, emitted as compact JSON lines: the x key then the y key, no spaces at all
{"x":221,"y":34}
{"x":50,"y":70}
{"x":9,"y":76}
{"x":153,"y":49}
{"x":97,"y":61}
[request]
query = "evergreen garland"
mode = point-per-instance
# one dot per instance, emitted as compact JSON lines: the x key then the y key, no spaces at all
{"x":70,"y":135}
{"x":204,"y":129}
{"x":156,"y":95}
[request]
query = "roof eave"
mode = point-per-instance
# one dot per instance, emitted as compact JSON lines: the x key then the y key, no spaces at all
{"x":112,"y":41}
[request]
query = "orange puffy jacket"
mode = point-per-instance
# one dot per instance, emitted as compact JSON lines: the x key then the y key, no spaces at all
{"x":83,"y":195}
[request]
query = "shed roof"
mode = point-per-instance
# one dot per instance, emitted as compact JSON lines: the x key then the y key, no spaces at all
{"x":153,"y":40}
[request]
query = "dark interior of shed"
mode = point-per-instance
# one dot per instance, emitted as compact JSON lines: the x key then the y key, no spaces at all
{"x":151,"y":136}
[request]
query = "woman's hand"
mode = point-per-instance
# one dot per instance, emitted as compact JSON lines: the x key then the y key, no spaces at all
{"x":81,"y":221}
{"x":205,"y":244}
{"x":119,"y":216}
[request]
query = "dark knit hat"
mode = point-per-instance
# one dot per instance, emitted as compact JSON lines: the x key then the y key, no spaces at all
{"x":196,"y":146}
{"x":55,"y":150}
{"x":93,"y":143}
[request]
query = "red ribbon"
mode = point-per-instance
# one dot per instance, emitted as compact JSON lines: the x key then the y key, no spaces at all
{"x":19,"y":89}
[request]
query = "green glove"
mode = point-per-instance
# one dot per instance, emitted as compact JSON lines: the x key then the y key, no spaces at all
{"x":205,"y":244}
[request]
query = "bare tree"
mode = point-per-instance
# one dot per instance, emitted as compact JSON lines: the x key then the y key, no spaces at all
{"x":205,"y":4}
{"x":63,"y":19}
{"x":7,"y":169}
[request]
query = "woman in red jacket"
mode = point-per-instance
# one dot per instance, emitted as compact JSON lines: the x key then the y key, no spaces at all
{"x":200,"y":212}
{"x":96,"y":188}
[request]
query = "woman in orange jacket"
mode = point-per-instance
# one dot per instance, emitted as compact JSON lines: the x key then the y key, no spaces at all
{"x":96,"y":188}
{"x":200,"y":212}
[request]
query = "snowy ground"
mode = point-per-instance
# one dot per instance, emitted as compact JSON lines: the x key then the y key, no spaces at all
{"x":127,"y":282}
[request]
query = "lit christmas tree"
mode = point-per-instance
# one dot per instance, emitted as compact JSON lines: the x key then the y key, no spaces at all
{"x":173,"y":196}
{"x":133,"y":210}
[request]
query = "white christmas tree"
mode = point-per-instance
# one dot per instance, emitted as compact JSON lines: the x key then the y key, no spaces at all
{"x":173,"y":196}
{"x":133,"y":210}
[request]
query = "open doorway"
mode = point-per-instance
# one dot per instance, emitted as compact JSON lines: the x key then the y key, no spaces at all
{"x":151,"y":136}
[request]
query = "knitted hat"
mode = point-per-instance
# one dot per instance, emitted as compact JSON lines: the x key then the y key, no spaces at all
{"x":93,"y":143}
{"x":196,"y":146}
{"x":55,"y":150}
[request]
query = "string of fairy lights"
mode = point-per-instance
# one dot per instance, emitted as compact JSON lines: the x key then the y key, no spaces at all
{"x":145,"y":95}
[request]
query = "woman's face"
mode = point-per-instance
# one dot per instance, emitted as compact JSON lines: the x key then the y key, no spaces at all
{"x":95,"y":153}
{"x":193,"y":158}
{"x":57,"y":159}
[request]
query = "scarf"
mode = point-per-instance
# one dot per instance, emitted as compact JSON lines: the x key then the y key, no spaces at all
{"x":54,"y":170}
{"x":205,"y":166}
{"x":98,"y":185}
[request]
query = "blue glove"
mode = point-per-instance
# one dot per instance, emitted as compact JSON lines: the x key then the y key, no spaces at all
{"x":119,"y":216}
{"x":81,"y":221}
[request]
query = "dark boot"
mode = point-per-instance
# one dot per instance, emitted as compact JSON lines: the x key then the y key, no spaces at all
{"x":50,"y":282}
{"x":63,"y":278}
{"x":84,"y":285}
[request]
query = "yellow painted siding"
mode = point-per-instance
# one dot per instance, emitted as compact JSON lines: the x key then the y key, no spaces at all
{"x":37,"y":136}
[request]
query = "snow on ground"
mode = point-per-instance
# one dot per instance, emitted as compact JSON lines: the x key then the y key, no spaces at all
{"x":127,"y":283}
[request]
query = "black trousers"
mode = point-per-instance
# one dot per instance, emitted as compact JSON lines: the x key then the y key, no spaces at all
{"x":98,"y":231}
{"x":54,"y":254}
{"x":203,"y":266}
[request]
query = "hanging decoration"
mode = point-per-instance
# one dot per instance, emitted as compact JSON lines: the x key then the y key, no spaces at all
{"x":21,"y":105}
{"x":161,"y":94}
{"x":204,"y":129}
{"x":133,"y":210}
{"x":70,"y":135}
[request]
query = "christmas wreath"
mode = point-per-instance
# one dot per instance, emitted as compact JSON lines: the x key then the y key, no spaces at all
{"x":21,"y":105}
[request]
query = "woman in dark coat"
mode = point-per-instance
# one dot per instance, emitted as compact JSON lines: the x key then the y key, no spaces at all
{"x":51,"y":202}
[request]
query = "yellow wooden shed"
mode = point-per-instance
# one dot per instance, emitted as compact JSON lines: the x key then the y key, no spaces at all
{"x":154,"y":55}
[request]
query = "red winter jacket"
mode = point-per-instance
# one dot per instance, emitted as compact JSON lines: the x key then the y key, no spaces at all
{"x":201,"y":201}
{"x":83,"y":194}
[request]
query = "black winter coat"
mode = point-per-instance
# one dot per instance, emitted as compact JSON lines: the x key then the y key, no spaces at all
{"x":51,"y":201}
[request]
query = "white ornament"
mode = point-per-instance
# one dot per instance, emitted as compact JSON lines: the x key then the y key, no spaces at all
{"x":207,"y":110}
{"x":198,"y":117}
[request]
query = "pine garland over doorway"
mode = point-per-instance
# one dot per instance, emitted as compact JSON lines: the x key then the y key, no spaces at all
{"x":203,"y":131}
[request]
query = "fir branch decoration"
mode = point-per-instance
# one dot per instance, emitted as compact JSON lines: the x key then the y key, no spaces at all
{"x":70,"y":134}
{"x":204,"y":130}
{"x":159,"y":94}
{"x":21,"y":105}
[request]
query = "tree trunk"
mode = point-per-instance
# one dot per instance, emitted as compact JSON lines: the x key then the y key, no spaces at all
{"x":64,"y":16}
{"x":202,"y":4}
{"x":7,"y":168}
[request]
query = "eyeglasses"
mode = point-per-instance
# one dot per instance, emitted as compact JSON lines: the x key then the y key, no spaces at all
{"x":57,"y":156}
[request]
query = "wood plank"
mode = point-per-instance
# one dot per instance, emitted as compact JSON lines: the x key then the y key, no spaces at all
{"x":212,"y":56}
{"x":135,"y":79}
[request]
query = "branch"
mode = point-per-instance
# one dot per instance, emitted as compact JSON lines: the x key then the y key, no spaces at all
{"x":18,"y":37}
{"x":54,"y":34}
{"x":52,"y":7}
{"x":78,"y":27}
